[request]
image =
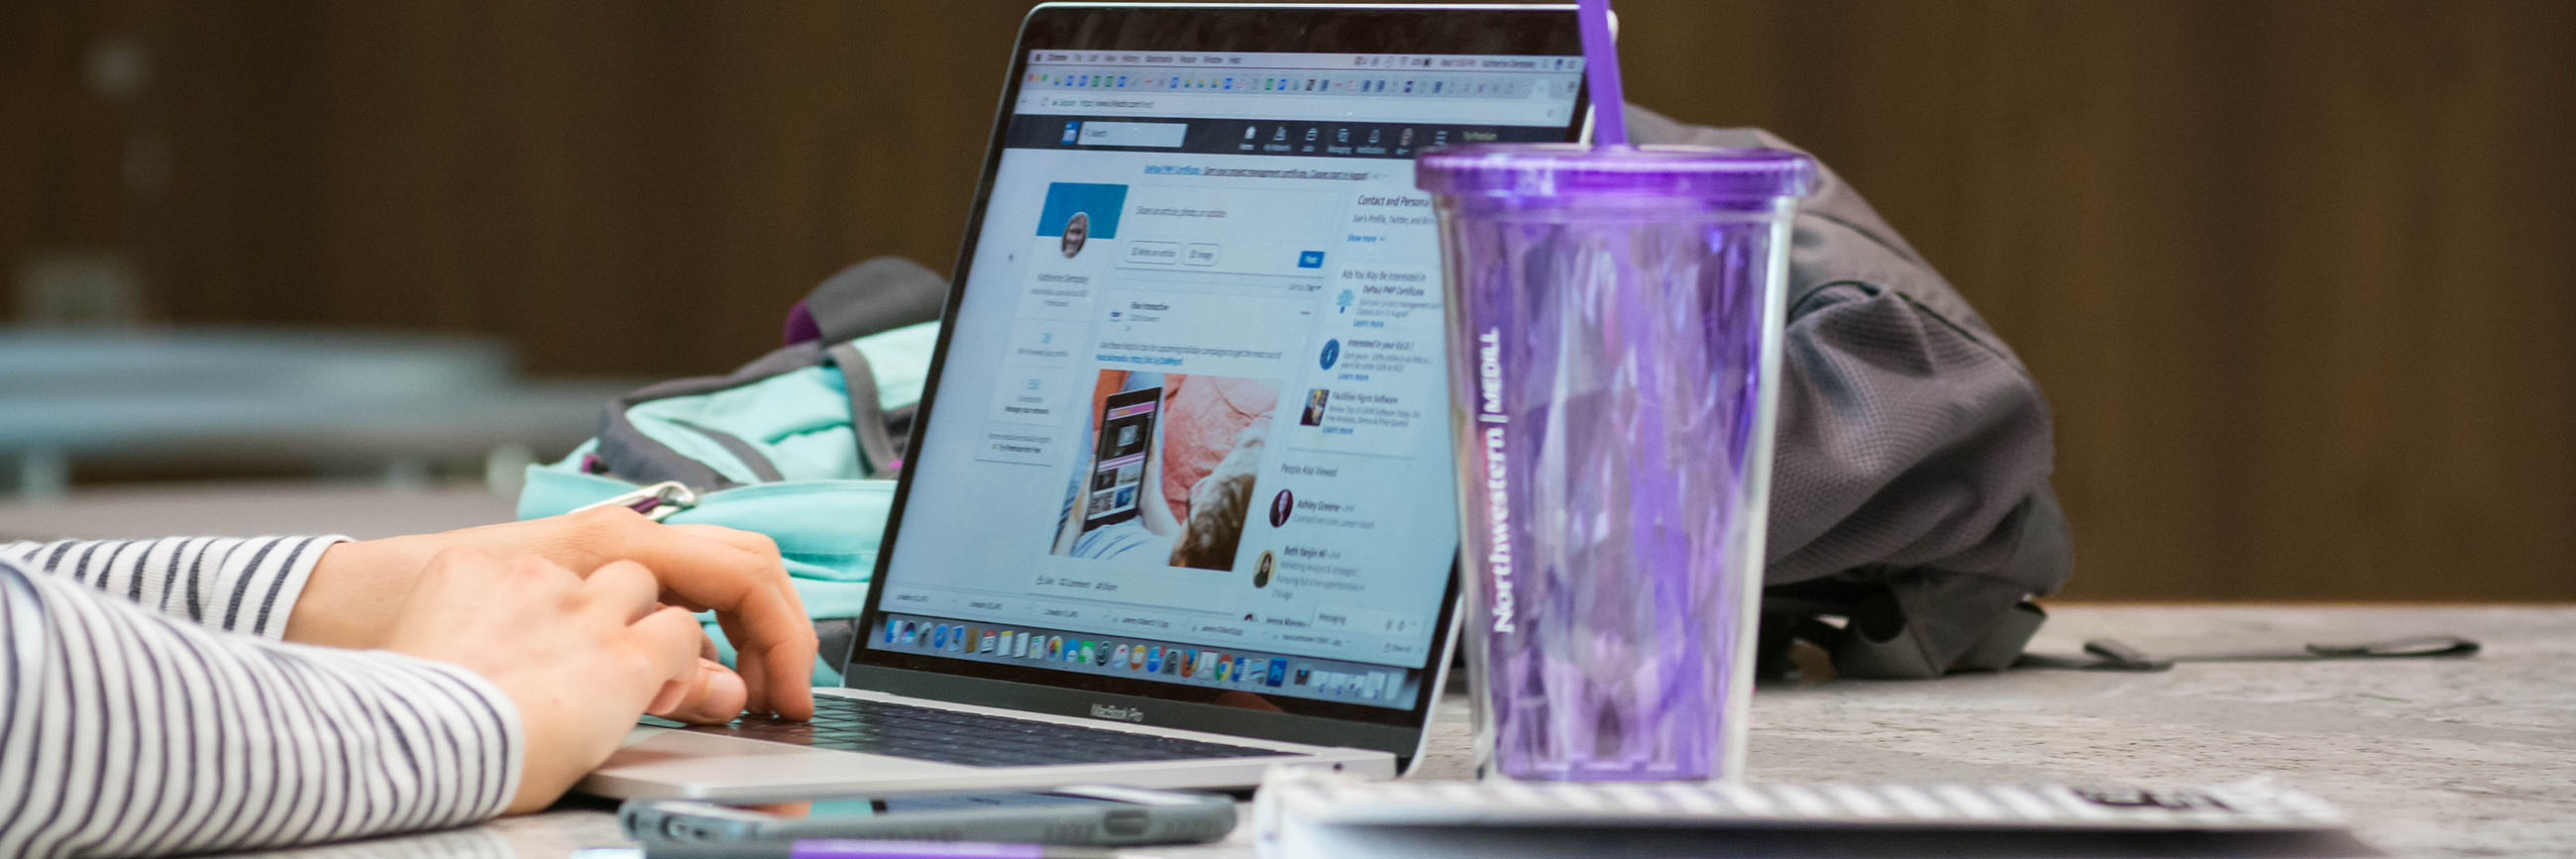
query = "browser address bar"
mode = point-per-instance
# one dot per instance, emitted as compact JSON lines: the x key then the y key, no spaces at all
{"x":1220,"y":106}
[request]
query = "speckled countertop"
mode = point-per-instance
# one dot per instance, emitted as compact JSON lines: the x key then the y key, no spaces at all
{"x":2438,"y":757}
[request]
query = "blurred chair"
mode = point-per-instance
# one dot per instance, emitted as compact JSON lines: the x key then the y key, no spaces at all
{"x":397,"y":405}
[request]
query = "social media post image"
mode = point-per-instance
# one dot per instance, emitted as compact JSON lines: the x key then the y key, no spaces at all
{"x":1169,"y":479}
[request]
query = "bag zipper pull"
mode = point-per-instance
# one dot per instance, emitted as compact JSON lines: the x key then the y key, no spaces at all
{"x":657,"y":502}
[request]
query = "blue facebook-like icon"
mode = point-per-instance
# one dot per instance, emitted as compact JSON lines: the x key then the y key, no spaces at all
{"x":1310,"y":259}
{"x":1072,"y":131}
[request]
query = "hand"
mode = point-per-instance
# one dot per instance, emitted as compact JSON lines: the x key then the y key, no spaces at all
{"x":358,"y":589}
{"x":579,"y":657}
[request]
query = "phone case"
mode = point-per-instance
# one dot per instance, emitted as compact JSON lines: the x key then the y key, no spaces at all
{"x":1165,"y":817}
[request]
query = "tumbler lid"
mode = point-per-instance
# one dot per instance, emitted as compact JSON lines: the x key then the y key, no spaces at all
{"x":1566,"y":169}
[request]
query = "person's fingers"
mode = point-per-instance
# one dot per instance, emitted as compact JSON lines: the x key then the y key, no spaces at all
{"x":755,"y":543}
{"x":773,"y":644}
{"x":739,"y":576}
{"x":747,"y":663}
{"x":777,"y":663}
{"x":668,"y":698}
{"x":665,"y":643}
{"x":627,"y":589}
{"x":759,"y":546}
{"x":711,"y":696}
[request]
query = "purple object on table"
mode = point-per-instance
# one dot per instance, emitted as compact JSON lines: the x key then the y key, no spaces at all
{"x":1614,"y":325}
{"x":1601,"y":72}
{"x":801,"y":325}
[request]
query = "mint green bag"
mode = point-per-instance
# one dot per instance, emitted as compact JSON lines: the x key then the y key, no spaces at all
{"x":800,"y":445}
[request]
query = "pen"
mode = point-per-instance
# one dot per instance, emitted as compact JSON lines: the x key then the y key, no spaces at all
{"x":841,"y":848}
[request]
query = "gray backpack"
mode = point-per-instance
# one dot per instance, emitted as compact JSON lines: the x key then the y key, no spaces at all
{"x":1910,"y":497}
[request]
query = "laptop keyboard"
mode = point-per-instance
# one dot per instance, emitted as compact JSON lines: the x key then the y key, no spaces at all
{"x":967,"y":739}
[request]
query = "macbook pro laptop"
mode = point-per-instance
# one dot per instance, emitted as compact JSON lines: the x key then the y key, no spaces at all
{"x":1178,"y":506}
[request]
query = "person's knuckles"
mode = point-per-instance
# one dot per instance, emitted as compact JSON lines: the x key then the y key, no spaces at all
{"x":759,"y":545}
{"x":603,"y":532}
{"x":672,"y":635}
{"x":623,"y":584}
{"x":640,"y":670}
{"x":755,"y":543}
{"x":536,"y":572}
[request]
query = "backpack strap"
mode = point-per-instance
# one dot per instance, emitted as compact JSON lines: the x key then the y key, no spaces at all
{"x":1874,"y":640}
{"x":627,"y":452}
{"x":2110,"y":654}
{"x":877,"y":445}
{"x":879,"y":294}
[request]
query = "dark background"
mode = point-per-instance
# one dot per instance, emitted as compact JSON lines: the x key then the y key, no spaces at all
{"x":2296,"y":275}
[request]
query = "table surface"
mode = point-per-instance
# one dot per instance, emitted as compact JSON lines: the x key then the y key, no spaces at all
{"x":2439,"y":757}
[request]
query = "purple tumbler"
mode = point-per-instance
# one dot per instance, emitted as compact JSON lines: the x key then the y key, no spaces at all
{"x":1614,"y":343}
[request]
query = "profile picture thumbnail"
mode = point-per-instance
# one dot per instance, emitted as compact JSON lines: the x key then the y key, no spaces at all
{"x":1280,"y":505}
{"x":1261,"y":569}
{"x":1077,"y":229}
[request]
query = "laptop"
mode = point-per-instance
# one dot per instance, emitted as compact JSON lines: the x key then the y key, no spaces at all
{"x":1178,"y":507}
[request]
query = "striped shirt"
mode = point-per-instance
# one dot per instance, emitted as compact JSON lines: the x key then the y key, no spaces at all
{"x":147,"y":707}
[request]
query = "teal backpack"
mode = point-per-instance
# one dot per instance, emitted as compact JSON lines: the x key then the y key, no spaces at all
{"x":801,"y":444}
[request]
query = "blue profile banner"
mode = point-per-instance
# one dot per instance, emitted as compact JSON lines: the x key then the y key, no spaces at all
{"x":1102,"y":203}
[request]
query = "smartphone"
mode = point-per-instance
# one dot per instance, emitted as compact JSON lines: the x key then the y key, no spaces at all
{"x":1095,"y":815}
{"x":1117,"y":481}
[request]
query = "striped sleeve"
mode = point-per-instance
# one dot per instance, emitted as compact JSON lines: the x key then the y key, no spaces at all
{"x":124,"y":732}
{"x":241,"y":584}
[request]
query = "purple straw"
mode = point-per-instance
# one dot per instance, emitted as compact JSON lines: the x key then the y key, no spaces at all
{"x":1601,"y":69}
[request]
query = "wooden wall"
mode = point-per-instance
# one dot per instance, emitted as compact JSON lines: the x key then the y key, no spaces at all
{"x":2296,"y":275}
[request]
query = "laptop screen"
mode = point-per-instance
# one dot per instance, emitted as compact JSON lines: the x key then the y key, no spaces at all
{"x":1191,"y":425}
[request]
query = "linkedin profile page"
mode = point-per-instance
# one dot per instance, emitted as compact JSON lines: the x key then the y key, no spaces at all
{"x":1130,"y":439}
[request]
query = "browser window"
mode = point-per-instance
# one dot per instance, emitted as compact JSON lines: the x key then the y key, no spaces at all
{"x":1192,"y":424}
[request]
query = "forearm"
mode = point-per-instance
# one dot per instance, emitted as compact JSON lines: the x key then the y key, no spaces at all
{"x":123,"y":732}
{"x":250,"y":585}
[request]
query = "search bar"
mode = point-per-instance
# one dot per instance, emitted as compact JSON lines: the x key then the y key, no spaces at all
{"x":1166,"y":134}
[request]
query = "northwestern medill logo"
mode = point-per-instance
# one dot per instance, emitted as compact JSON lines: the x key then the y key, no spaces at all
{"x":1113,"y":711}
{"x":1498,"y":513}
